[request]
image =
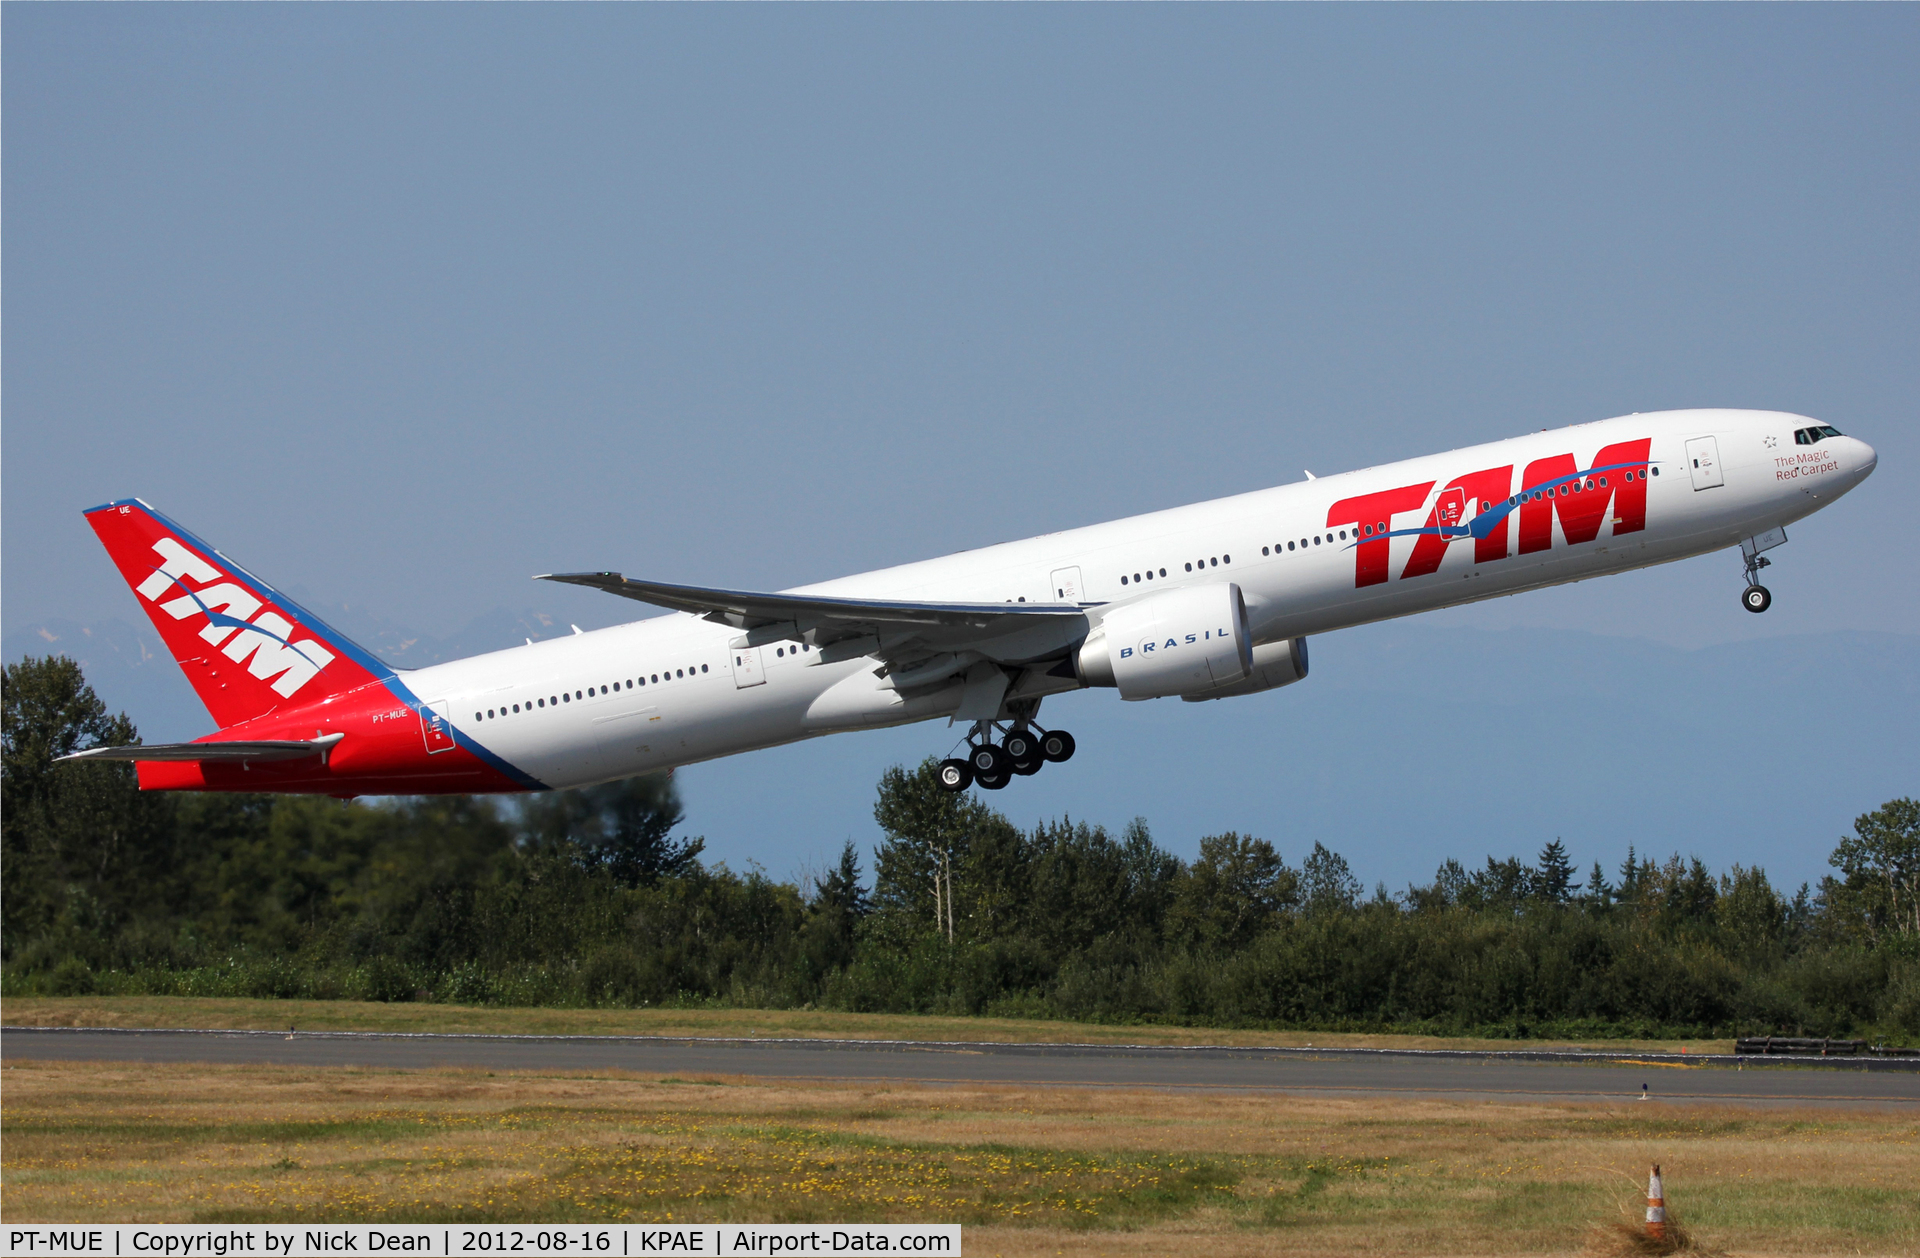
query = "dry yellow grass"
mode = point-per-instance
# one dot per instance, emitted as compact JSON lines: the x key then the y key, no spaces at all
{"x":348,"y":1015}
{"x":1031,"y":1171}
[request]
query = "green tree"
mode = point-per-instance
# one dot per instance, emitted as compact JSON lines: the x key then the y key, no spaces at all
{"x":1504,"y":884}
{"x":1553,"y":877}
{"x":1598,"y":896}
{"x":1232,"y":893}
{"x":1077,"y":886}
{"x":1326,"y":882}
{"x":621,"y":827}
{"x":1152,"y":873}
{"x":833,"y":915}
{"x":930,"y":834}
{"x":839,"y":891}
{"x":1881,"y":862}
{"x":80,"y":847}
{"x":1750,"y":914}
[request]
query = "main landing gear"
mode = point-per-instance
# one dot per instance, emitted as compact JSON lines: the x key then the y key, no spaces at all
{"x":1021,"y":751}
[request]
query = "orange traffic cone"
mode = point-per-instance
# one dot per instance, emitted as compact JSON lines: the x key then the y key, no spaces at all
{"x":1656,"y":1207}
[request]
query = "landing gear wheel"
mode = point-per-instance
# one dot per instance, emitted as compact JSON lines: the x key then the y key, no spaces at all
{"x":1756,"y":598}
{"x":988,"y":761}
{"x":954,"y":775}
{"x":990,"y":781}
{"x":1023,"y":752}
{"x":1057,"y":746}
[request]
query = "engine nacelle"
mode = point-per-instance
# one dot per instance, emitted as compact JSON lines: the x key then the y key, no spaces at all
{"x":1274,"y":664}
{"x":1182,"y":641}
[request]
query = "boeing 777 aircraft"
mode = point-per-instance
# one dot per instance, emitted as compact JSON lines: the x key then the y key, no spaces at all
{"x":1208,"y":601}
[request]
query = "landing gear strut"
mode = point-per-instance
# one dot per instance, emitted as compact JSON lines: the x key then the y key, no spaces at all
{"x":1756,"y":597}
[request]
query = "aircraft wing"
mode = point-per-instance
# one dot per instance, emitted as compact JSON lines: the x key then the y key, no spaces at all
{"x":235,"y":750}
{"x":901,"y":632}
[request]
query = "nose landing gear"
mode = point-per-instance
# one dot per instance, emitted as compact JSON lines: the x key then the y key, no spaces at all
{"x":1023,"y":750}
{"x":1756,"y":597}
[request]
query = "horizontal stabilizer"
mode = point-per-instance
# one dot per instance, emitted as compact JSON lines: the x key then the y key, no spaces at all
{"x":230,"y":751}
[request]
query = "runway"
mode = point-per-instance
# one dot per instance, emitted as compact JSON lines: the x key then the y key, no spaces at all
{"x":1521,"y":1076}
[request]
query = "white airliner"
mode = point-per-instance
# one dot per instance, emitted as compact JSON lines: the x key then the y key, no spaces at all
{"x":1208,"y":601}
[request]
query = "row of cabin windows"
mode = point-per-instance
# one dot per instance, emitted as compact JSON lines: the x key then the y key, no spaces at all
{"x":554,"y":701}
{"x":1215,"y":562}
{"x":1305,"y":541}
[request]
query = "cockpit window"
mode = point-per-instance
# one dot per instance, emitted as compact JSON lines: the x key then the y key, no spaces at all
{"x":1813,"y":436}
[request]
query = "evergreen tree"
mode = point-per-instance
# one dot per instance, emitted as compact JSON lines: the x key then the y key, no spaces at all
{"x":1553,"y":877}
{"x":1599,"y":892}
{"x":1630,"y":878}
{"x":839,"y":890}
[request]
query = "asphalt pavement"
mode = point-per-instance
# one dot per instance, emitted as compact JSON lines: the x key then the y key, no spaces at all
{"x":1522,"y":1076}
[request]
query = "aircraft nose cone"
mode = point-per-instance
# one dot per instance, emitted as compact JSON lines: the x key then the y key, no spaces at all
{"x":1865,"y":458}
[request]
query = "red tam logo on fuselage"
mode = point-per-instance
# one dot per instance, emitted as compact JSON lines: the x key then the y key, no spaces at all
{"x":1478,"y":504}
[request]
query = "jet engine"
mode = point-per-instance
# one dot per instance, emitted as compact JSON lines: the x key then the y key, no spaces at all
{"x":1274,"y":664}
{"x":1180,"y":641}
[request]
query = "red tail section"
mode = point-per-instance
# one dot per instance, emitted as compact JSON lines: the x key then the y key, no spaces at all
{"x":245,"y":648}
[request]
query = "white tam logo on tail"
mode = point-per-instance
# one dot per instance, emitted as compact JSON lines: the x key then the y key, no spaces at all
{"x":262,"y":642}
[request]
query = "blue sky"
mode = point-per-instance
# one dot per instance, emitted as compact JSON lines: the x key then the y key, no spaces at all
{"x":399,"y":305}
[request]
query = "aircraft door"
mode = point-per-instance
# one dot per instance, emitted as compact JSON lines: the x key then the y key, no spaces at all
{"x":1066,"y":585}
{"x":435,"y":728}
{"x":1703,"y":459}
{"x":746,"y":668}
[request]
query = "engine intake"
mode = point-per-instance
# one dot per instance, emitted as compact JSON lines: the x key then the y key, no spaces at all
{"x":1181,"y":641}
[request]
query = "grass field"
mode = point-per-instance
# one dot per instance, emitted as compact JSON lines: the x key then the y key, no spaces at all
{"x":1031,"y":1171}
{"x":348,"y":1015}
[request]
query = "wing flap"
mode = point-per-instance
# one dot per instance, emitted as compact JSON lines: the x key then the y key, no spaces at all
{"x":898,"y":633}
{"x":230,"y":750}
{"x":748,"y":610}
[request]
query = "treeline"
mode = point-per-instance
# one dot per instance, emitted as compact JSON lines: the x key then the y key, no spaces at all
{"x":586,"y":897}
